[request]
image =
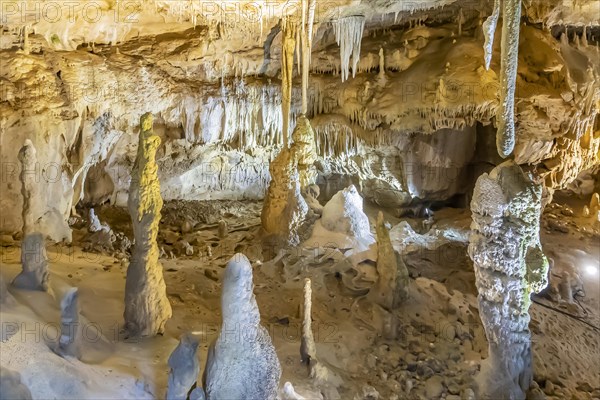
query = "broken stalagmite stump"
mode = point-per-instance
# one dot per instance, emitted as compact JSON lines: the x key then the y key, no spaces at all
{"x":509,"y":267}
{"x":242,"y":363}
{"x":147,"y":307}
{"x":184,"y":368}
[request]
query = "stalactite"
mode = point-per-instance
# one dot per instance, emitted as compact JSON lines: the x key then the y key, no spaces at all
{"x":307,"y":23}
{"x":511,"y":20}
{"x":348,"y":35}
{"x":147,"y":307}
{"x":289,"y":30}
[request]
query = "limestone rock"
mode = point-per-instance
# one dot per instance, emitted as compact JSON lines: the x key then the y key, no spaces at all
{"x":344,"y":213}
{"x":185,"y":367}
{"x":147,"y":307}
{"x":35,"y":264}
{"x":11,"y":387}
{"x":29,"y":178}
{"x":242,"y":363}
{"x":509,"y":266}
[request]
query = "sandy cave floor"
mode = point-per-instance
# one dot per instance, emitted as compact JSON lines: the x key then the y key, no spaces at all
{"x":440,"y":339}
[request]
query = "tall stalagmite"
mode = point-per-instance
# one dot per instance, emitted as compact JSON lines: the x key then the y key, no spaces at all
{"x":147,"y":307}
{"x":509,"y":266}
{"x":511,"y":20}
{"x":34,"y":261}
{"x":305,"y":151}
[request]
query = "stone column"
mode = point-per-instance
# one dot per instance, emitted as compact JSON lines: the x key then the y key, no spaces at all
{"x":509,"y":266}
{"x":184,"y":368}
{"x":147,"y":307}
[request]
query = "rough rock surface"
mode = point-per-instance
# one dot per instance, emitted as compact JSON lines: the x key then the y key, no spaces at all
{"x":303,"y":145}
{"x":11,"y":387}
{"x":509,"y":266}
{"x":242,"y":363}
{"x":147,"y":307}
{"x":185,"y":367}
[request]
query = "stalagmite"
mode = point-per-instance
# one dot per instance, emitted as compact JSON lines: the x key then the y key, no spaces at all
{"x":305,"y":151}
{"x":29,"y":184}
{"x":348,"y":35}
{"x":344,"y":213}
{"x":11,"y":387}
{"x":489,"y":31}
{"x":242,"y":363}
{"x":509,"y":266}
{"x":595,"y":204}
{"x":289,"y":393}
{"x":147,"y":307}
{"x":34,"y":261}
{"x":289,"y":30}
{"x":222,"y":231}
{"x":69,"y":343}
{"x":185,"y":367}
{"x":392,"y":285}
{"x":511,"y":20}
{"x":308,"y":350}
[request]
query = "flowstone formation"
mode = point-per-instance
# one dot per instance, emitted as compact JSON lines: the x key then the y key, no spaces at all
{"x":147,"y":307}
{"x":344,"y":213}
{"x":391,"y":288}
{"x":509,"y":267}
{"x":28,"y":177}
{"x":69,"y":343}
{"x":242,"y":363}
{"x":185,"y":368}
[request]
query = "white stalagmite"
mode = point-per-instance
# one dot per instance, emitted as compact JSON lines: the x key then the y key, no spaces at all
{"x":489,"y":31}
{"x":509,"y":266}
{"x":511,"y":20}
{"x":147,"y":307}
{"x":348,"y":35}
{"x":289,"y":31}
{"x":242,"y":363}
{"x":308,"y":350}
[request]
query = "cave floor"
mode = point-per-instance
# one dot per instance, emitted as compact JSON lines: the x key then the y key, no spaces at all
{"x":436,"y":354}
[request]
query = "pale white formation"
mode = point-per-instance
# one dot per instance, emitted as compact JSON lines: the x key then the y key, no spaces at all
{"x":184,"y":367}
{"x":509,"y":266}
{"x":34,"y":261}
{"x":348,"y":34}
{"x":289,"y":393}
{"x":511,"y":20}
{"x":344,"y":213}
{"x":242,"y":363}
{"x":147,"y":307}
{"x":69,"y":343}
{"x":308,"y":349}
{"x":391,"y":288}
{"x":489,"y":32}
{"x":11,"y":387}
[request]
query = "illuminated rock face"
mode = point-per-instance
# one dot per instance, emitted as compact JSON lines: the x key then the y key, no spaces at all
{"x":242,"y":363}
{"x":509,"y":267}
{"x":147,"y":307}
